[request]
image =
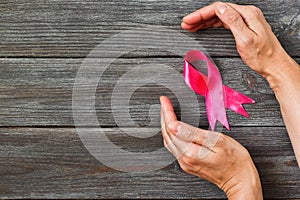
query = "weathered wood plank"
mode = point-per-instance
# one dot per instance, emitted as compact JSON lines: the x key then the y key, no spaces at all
{"x":73,"y":28}
{"x":52,"y":162}
{"x":38,"y":92}
{"x":44,"y":163}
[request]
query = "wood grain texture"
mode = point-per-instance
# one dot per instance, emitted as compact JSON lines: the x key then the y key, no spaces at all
{"x":72,"y":28}
{"x":39,"y":163}
{"x":38,"y":92}
{"x":42,"y":46}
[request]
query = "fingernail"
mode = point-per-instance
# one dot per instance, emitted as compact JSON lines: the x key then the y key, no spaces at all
{"x":221,"y":9}
{"x":184,"y":18}
{"x":174,"y":126}
{"x":160,"y":99}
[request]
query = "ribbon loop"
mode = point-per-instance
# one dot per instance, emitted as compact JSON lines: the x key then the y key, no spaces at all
{"x":218,"y":96}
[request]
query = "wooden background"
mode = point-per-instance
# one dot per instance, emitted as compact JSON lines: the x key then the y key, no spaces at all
{"x":42,"y":45}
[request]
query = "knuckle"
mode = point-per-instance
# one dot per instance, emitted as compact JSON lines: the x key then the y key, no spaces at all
{"x":211,"y":139}
{"x":233,"y":18}
{"x":245,"y":153}
{"x":223,"y":137}
{"x":246,"y":42}
{"x":223,"y":140}
{"x":255,"y":10}
{"x":218,"y":3}
{"x":228,"y":150}
{"x":192,"y":154}
{"x":189,"y":154}
{"x":192,"y":133}
{"x":185,"y":167}
{"x":189,"y":161}
{"x":269,"y":27}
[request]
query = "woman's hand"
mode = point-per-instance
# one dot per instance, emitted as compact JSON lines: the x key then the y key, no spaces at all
{"x":210,"y":155}
{"x":256,"y":43}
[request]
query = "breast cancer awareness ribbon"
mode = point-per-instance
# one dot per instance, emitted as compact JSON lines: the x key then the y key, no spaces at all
{"x":218,"y":96}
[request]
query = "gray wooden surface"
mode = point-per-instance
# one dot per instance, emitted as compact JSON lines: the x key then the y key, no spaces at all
{"x":42,"y":45}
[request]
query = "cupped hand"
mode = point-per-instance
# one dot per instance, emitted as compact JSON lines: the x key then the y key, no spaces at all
{"x":256,"y":43}
{"x":210,"y":155}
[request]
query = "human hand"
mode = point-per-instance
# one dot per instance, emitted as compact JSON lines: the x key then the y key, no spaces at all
{"x":256,"y":43}
{"x":261,"y":51}
{"x":210,"y":155}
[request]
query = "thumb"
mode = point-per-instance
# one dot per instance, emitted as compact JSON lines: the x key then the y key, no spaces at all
{"x":234,"y":21}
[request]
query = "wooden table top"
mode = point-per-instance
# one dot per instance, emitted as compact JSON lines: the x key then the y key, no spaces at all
{"x":42,"y":47}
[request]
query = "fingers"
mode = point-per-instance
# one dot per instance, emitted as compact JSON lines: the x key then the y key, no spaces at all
{"x":167,"y":110}
{"x":201,"y":15}
{"x":183,"y":139}
{"x":231,"y":16}
{"x":180,"y":147}
{"x":201,"y":19}
{"x":252,"y":16}
{"x":172,"y":143}
{"x":204,"y":25}
{"x":166,"y":116}
{"x":187,"y":132}
{"x":169,"y":144}
{"x":234,"y":21}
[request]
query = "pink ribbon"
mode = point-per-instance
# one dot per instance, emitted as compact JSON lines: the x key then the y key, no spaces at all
{"x":218,"y":96}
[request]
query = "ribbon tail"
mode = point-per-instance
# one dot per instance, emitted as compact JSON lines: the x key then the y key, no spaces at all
{"x":212,"y":120}
{"x":234,"y":101}
{"x":215,"y":114}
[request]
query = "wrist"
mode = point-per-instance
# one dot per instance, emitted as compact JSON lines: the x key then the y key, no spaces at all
{"x":246,"y":185}
{"x":280,"y":72}
{"x":253,"y":192}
